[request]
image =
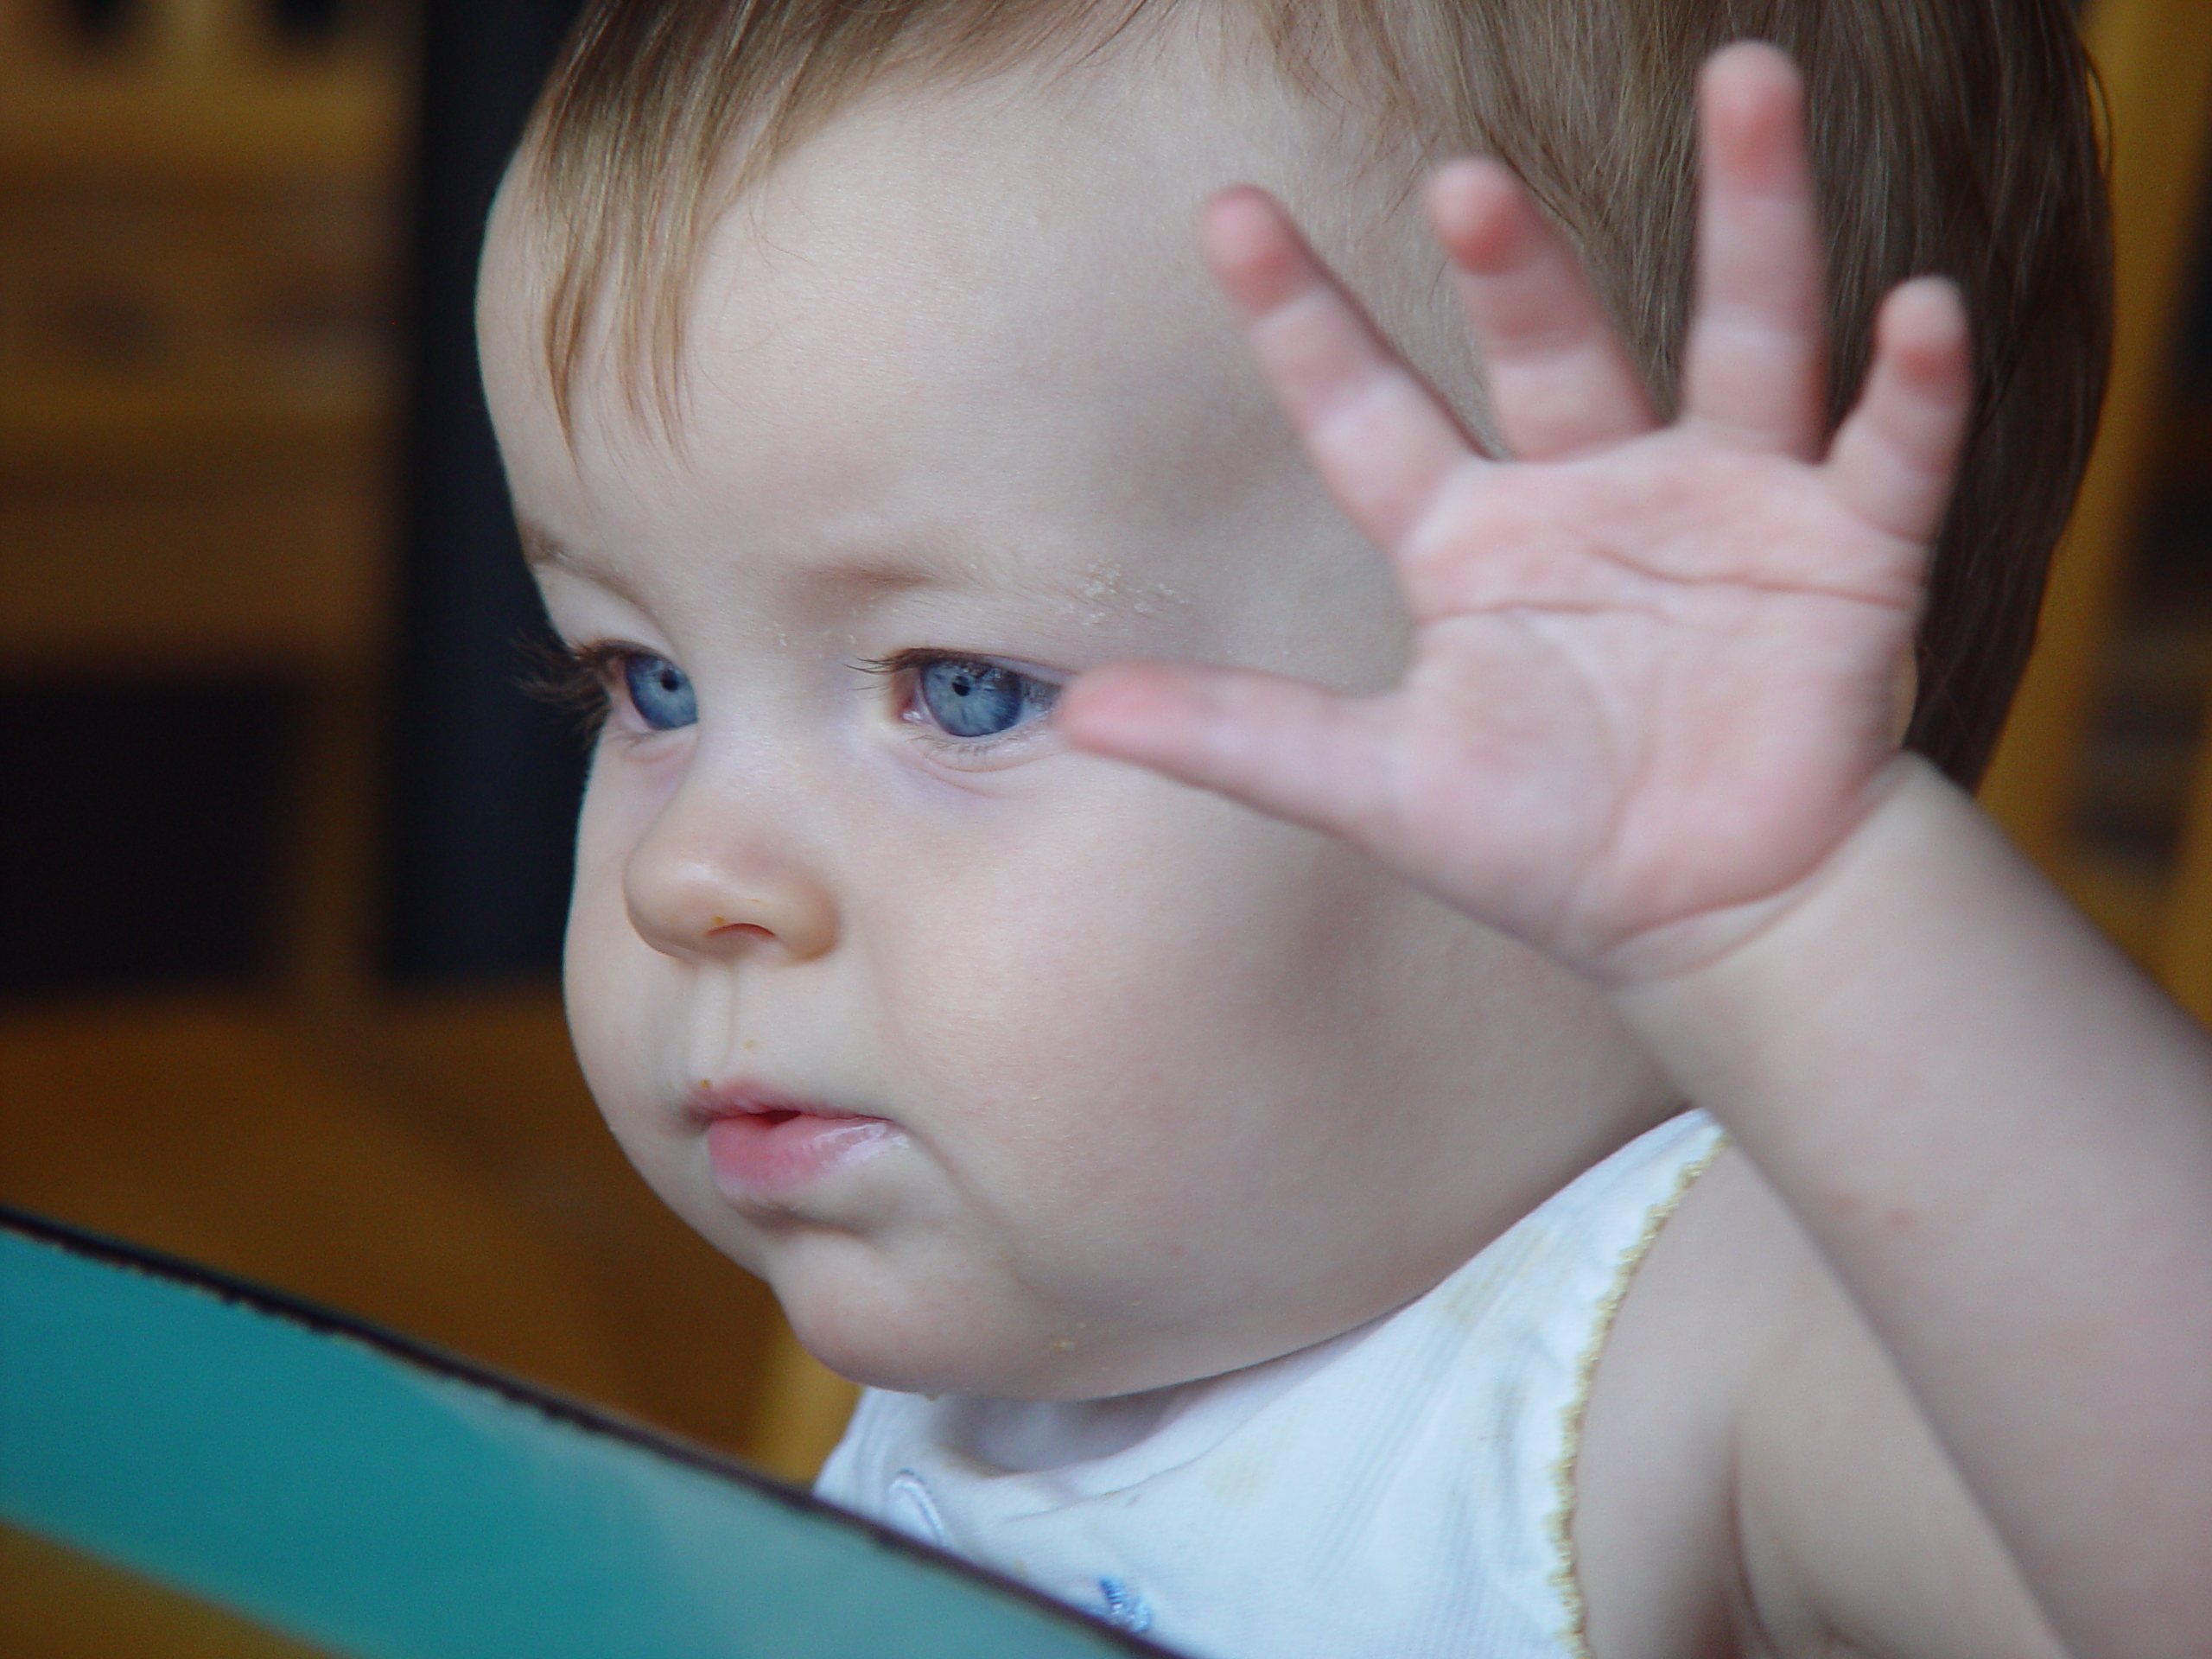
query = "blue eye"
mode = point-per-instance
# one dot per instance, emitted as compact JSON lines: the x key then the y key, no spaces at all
{"x":659,"y":691}
{"x":977,"y":699}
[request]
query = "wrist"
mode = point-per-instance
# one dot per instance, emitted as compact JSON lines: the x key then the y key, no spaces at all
{"x":1676,"y":953}
{"x":1698,"y":990}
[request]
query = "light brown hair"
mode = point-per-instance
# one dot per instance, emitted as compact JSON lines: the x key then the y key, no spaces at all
{"x":1954,"y":137}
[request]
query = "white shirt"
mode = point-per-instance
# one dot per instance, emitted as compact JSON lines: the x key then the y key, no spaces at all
{"x":1403,"y":1490}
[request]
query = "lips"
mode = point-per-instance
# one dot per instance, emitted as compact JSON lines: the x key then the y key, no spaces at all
{"x":766,"y":1148}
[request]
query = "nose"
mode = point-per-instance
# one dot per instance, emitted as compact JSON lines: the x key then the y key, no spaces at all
{"x":716,"y":873}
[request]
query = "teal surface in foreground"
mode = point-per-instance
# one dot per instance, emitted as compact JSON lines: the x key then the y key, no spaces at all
{"x":332,"y":1483}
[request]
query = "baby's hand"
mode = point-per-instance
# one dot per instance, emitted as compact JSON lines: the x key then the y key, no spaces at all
{"x":1655,"y":668}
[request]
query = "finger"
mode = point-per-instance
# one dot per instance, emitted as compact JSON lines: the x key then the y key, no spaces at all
{"x":1383,"y":440}
{"x":1287,"y":748}
{"x":1757,"y":357}
{"x":1559,"y":380}
{"x":1895,"y":458}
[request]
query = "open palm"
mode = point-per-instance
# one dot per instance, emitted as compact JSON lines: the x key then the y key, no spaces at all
{"x":1654,"y":667}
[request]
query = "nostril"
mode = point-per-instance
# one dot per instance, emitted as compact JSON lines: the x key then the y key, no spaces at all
{"x":722,"y":929}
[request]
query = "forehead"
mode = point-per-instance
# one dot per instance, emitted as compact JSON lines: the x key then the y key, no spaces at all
{"x":955,"y":304}
{"x":974,"y":296}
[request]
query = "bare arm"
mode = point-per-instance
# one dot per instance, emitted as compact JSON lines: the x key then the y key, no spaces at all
{"x":2000,"y":1136}
{"x":1647,"y":727}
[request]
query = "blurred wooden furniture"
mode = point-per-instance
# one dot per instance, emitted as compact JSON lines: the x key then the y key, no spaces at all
{"x":2154,"y":58}
{"x":197,"y":208}
{"x":56,"y":1604}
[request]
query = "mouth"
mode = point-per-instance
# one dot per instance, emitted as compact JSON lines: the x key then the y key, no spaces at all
{"x":765,"y":1148}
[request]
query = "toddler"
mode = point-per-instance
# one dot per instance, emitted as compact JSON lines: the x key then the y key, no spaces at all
{"x":1614,"y":1154}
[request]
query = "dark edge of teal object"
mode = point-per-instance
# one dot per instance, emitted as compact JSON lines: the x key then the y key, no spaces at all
{"x":376,"y":1496}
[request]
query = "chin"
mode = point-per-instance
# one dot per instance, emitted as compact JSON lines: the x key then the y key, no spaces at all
{"x":868,"y":1333}
{"x":900,"y":1369}
{"x":881,"y":1359}
{"x":1031,"y":1366}
{"x":897,"y":1350}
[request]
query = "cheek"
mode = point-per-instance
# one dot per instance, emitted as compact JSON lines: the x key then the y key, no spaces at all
{"x":1161,"y":980}
{"x":604,"y":964}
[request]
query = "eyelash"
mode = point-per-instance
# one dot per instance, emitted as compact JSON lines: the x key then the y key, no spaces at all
{"x":576,"y":677}
{"x":581,"y":678}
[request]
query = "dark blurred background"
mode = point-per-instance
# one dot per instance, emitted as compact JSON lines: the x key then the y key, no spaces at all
{"x":283,"y":851}
{"x":242,"y":244}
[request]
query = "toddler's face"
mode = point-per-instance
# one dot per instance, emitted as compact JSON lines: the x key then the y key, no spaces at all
{"x":1014,"y":1070}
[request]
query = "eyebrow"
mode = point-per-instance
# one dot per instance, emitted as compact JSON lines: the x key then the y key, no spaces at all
{"x":537,"y":547}
{"x":1100,"y":591}
{"x":541,"y":550}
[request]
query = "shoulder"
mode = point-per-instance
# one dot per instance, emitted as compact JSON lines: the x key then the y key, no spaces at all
{"x":1754,"y":1478}
{"x":1654,"y":1516}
